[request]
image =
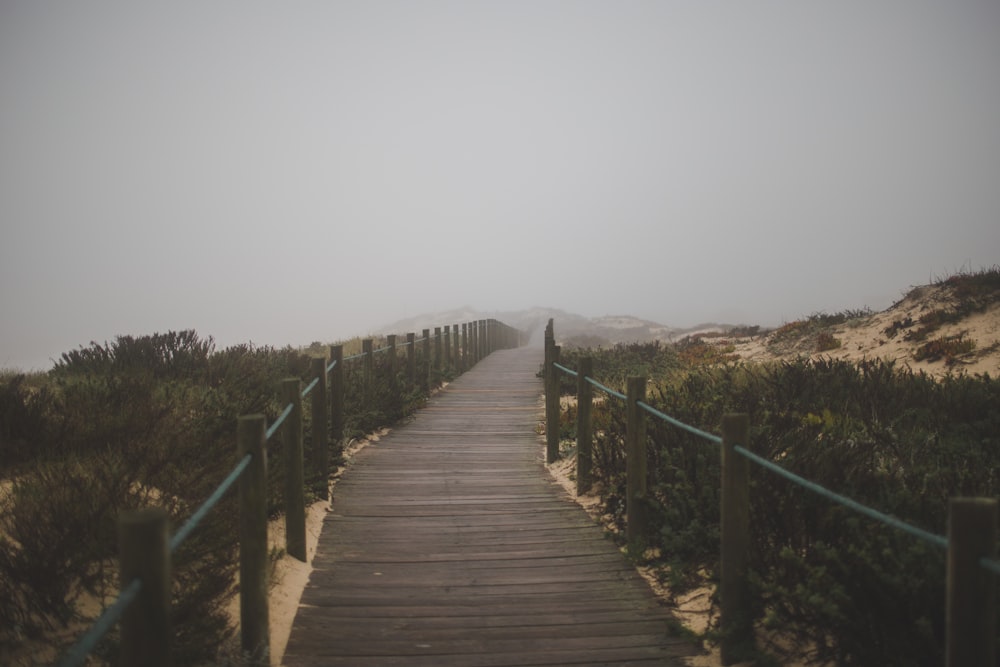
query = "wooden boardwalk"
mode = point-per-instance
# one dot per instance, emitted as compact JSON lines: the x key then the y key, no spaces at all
{"x":449,"y":544}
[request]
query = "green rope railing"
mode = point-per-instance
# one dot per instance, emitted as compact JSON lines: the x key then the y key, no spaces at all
{"x":919,"y":533}
{"x":87,"y":643}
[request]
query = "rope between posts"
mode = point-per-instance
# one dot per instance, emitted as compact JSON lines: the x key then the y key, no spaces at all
{"x":679,"y":424}
{"x":312,"y":385}
{"x":86,"y":644}
{"x":332,"y":364}
{"x":990,"y":564}
{"x":565,"y":370}
{"x":277,"y":422}
{"x":926,"y":536}
{"x":606,"y":390}
{"x":919,"y":533}
{"x":207,"y":506}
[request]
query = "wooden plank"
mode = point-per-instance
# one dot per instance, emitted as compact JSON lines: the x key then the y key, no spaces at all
{"x":449,"y":544}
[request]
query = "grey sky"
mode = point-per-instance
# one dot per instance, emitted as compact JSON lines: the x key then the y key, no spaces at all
{"x":289,"y":172}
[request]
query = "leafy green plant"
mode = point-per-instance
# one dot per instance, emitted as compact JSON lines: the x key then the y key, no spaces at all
{"x":826,"y":341}
{"x":140,"y":421}
{"x":948,"y":348}
{"x":890,"y":438}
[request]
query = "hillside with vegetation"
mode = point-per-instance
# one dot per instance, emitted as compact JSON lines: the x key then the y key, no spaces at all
{"x":898,"y":410}
{"x":140,"y":421}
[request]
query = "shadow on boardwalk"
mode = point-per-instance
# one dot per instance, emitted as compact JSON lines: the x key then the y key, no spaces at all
{"x":449,"y":544}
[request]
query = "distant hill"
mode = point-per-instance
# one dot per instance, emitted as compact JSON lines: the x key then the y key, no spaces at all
{"x":571,"y":329}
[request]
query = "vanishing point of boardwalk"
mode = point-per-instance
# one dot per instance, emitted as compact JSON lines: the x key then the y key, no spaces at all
{"x":449,"y":544}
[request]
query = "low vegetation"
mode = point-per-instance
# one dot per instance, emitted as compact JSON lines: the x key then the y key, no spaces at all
{"x":142,"y":421}
{"x":845,"y":589}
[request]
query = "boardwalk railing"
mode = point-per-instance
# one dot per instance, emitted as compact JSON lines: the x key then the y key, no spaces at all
{"x":971,"y":542}
{"x":143,"y":604}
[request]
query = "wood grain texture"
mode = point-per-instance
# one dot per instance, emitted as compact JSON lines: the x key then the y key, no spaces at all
{"x":449,"y":544}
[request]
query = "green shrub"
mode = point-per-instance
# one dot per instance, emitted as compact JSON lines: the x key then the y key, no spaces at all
{"x":142,"y":421}
{"x":898,"y":441}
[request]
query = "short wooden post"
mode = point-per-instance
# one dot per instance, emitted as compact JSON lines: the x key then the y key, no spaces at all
{"x":971,"y":603}
{"x":463,"y":357}
{"x":320,"y":454}
{"x":295,"y":501}
{"x":254,"y":562}
{"x":411,"y":358}
{"x":337,"y":395}
{"x":456,"y":359}
{"x":584,"y":438}
{"x":736,"y":618}
{"x":552,"y":405}
{"x":144,"y":555}
{"x":437,"y":353}
{"x":426,"y":370}
{"x":635,"y":462}
{"x":390,"y":342}
{"x":473,"y":344}
{"x":482,"y":336}
{"x":368,"y":364}
{"x":447,"y":345}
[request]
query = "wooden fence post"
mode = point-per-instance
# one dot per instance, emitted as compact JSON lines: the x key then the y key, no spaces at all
{"x":971,"y":604}
{"x":295,"y":500}
{"x":736,"y":619}
{"x":635,"y":462}
{"x":254,"y":562}
{"x":456,"y":359}
{"x":437,"y":354}
{"x":552,"y":406}
{"x":447,"y":345}
{"x":465,"y":347}
{"x":320,"y":454}
{"x":337,"y":395}
{"x":482,"y":336}
{"x":411,"y":358}
{"x":144,"y":555}
{"x":473,"y":343}
{"x":368,"y":364}
{"x":426,"y":370}
{"x":584,"y":439}
{"x":390,"y":342}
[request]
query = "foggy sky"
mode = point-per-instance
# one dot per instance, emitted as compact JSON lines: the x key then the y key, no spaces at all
{"x":288,"y":172}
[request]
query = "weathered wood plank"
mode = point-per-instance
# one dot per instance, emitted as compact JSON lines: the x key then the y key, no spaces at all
{"x":448,"y":544}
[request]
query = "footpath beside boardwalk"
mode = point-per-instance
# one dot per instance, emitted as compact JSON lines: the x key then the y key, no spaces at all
{"x":448,"y":544}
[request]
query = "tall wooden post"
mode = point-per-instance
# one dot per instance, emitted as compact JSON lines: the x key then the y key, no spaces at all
{"x":337,"y":395}
{"x":319,"y":458}
{"x":464,"y":357}
{"x":635,"y":462}
{"x":411,"y":358}
{"x":144,"y":555}
{"x":437,"y":354}
{"x":426,"y":370}
{"x":254,"y":562}
{"x":584,"y":438}
{"x":736,"y":617}
{"x":295,"y":501}
{"x":473,"y":344}
{"x":456,"y":359}
{"x":552,"y":407}
{"x":390,"y":342}
{"x":368,"y":364}
{"x":447,"y":345}
{"x":971,"y":601}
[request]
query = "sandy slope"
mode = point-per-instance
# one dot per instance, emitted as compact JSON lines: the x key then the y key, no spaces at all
{"x":866,"y":337}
